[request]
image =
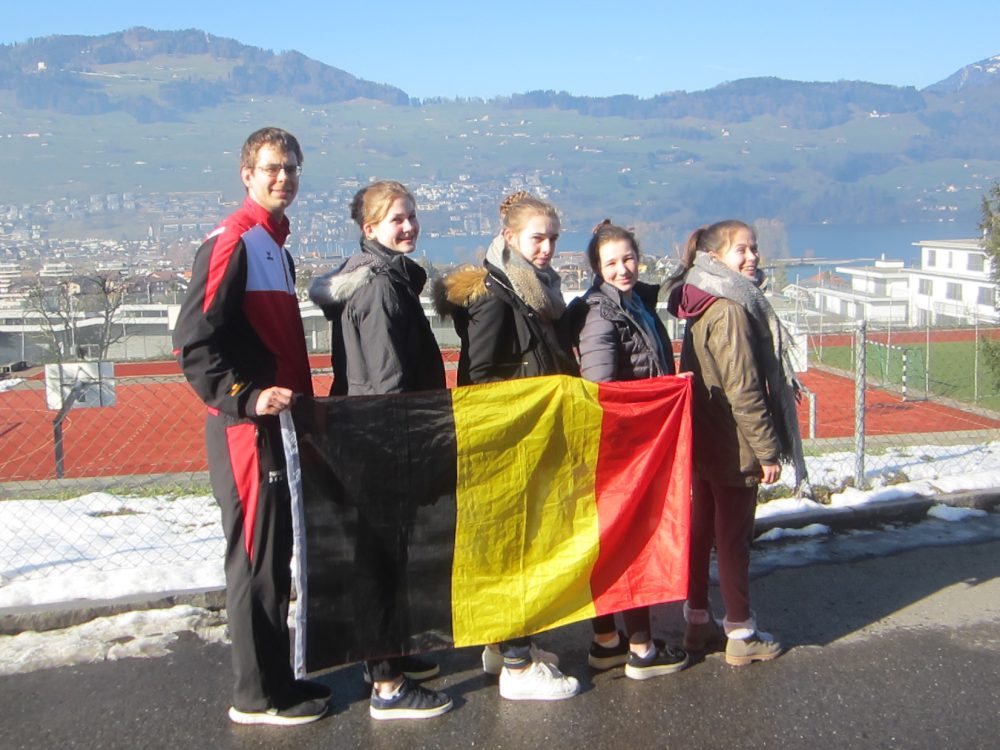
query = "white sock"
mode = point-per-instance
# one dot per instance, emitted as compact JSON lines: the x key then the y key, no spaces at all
{"x":647,"y":652}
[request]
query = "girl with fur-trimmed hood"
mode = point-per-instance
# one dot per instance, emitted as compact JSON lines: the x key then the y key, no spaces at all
{"x":508,"y":314}
{"x":381,"y":339}
{"x":382,"y":343}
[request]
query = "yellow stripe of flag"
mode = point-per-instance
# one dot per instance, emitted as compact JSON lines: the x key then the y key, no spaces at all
{"x":526,"y":535}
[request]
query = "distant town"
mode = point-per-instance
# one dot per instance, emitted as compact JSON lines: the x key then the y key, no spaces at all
{"x":58,"y":291}
{"x":70,"y":291}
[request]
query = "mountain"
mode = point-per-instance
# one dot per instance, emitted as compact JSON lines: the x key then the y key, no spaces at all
{"x":70,"y":75}
{"x":978,"y":75}
{"x":90,"y":123}
{"x":799,"y":104}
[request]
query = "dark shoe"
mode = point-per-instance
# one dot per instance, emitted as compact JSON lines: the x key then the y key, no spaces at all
{"x":411,"y":701}
{"x":704,"y":637}
{"x":663,"y":660}
{"x":302,"y":712}
{"x":758,"y":647}
{"x":312,"y":689}
{"x":412,"y":667}
{"x":606,"y":657}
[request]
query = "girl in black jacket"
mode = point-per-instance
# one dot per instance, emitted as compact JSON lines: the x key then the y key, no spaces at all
{"x":508,"y":315}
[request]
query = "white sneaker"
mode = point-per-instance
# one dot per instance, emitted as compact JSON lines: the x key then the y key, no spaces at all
{"x":493,"y":659}
{"x":539,"y":682}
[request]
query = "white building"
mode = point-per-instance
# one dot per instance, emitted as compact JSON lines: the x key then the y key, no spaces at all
{"x":953,"y":285}
{"x":878,"y":293}
{"x":56,"y":270}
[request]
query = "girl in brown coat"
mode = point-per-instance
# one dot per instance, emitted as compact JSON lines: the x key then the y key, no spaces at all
{"x":744,"y":422}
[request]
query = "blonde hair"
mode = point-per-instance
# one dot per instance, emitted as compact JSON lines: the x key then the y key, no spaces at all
{"x":518,"y":208}
{"x":371,"y":204}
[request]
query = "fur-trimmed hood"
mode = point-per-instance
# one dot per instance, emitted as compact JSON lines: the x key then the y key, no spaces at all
{"x":335,"y":288}
{"x":459,"y":289}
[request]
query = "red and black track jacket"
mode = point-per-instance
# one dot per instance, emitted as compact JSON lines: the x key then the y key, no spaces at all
{"x":239,"y":330}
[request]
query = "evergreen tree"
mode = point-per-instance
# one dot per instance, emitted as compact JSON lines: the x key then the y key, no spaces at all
{"x":990,"y":227}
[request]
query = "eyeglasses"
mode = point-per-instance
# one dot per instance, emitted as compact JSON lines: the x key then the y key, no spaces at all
{"x":272,"y":170}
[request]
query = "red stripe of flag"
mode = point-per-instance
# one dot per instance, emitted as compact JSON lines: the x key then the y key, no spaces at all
{"x":643,"y":483}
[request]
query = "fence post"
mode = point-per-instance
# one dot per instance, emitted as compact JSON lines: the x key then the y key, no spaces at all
{"x":812,"y":415}
{"x":859,"y":406}
{"x":906,"y":353}
{"x":927,"y":360}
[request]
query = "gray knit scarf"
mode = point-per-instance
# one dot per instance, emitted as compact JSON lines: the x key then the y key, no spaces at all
{"x":538,"y":288}
{"x":713,"y":277}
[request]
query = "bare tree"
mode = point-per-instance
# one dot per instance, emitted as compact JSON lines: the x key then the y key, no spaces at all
{"x":64,"y":308}
{"x":55,"y":308}
{"x":105,"y":294}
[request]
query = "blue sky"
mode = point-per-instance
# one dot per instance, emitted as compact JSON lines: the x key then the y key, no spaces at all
{"x":446,"y":48}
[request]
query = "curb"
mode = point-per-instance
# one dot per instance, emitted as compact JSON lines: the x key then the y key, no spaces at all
{"x":58,"y":615}
{"x":912,"y":508}
{"x":67,"y":614}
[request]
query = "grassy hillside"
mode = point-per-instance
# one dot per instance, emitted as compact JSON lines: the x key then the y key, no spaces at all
{"x":172,"y":108}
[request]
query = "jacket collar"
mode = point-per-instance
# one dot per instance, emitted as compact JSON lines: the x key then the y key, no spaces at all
{"x":279,"y":230}
{"x":398,"y":265}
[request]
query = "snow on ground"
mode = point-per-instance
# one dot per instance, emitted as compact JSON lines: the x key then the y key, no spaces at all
{"x":140,"y":633}
{"x":951,"y":513}
{"x":812,"y":529}
{"x":102,"y":546}
{"x":10,"y":384}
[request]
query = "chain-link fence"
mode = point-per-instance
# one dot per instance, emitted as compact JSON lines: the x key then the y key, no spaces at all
{"x":892,"y":405}
{"x":125,"y":486}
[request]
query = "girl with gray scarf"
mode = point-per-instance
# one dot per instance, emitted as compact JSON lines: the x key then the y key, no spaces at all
{"x":508,"y":315}
{"x":744,"y":424}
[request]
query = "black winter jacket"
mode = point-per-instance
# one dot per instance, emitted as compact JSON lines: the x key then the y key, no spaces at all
{"x":502,"y":337}
{"x":381,"y":340}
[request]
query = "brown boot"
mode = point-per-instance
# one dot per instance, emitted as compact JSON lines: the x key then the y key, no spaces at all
{"x":703,"y":638}
{"x":758,"y":647}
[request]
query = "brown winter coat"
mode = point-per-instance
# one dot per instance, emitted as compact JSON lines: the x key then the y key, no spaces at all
{"x":733,"y":430}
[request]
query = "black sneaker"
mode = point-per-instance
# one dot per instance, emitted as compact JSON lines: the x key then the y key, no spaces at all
{"x":301,"y":712}
{"x":312,"y":689}
{"x":663,"y":660}
{"x":606,"y":657}
{"x":413,"y":667}
{"x":411,"y":701}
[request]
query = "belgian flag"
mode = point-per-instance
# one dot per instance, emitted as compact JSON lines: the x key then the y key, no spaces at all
{"x":471,"y":516}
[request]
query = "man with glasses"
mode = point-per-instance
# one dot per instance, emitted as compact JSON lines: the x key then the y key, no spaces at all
{"x":241,"y":344}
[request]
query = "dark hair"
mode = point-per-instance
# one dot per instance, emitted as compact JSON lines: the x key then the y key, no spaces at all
{"x":371,"y":204}
{"x":604,"y":233}
{"x":713,"y":239}
{"x":274,"y":137}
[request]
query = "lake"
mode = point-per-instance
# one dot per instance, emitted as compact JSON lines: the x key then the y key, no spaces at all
{"x":832,"y":241}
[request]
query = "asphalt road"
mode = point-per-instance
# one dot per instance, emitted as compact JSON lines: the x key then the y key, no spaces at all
{"x":890,"y":647}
